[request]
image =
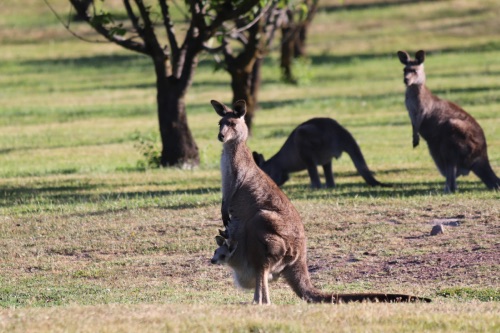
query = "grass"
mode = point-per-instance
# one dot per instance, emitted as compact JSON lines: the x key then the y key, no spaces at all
{"x":87,"y":232}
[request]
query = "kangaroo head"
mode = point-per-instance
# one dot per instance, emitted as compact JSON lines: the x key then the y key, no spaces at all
{"x":414,"y":68}
{"x":232,"y":125}
{"x":278,"y":175}
{"x":224,"y":251}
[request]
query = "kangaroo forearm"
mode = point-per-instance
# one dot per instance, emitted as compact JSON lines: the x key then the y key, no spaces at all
{"x":416,"y":138}
{"x":225,"y":212}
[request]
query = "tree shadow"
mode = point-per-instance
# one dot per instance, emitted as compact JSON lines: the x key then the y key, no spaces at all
{"x":362,"y":190}
{"x":117,"y":62}
{"x":65,"y":195}
{"x":368,"y":5}
{"x":97,"y":61}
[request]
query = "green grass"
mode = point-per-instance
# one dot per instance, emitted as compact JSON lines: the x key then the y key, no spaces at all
{"x":87,"y":232}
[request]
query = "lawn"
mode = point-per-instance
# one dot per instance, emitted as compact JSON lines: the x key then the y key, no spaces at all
{"x":91,"y":239}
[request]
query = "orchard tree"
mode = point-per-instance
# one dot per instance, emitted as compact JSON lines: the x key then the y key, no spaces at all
{"x":244,"y":47}
{"x":174,"y":57}
{"x":294,"y":35}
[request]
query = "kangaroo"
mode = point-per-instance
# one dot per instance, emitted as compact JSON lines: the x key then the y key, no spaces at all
{"x":315,"y":142}
{"x":456,"y":141}
{"x":269,"y":233}
{"x":225,"y":250}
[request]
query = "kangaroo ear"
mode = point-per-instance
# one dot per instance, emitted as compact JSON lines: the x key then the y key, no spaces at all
{"x":220,"y":240}
{"x":420,"y":56}
{"x":239,"y":108}
{"x":223,"y":233}
{"x":404,"y":57}
{"x":231,"y":245}
{"x":258,"y":158}
{"x":220,"y":108}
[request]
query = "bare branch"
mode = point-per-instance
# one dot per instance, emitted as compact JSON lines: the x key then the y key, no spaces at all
{"x":149,"y":35}
{"x":102,"y":30}
{"x":255,"y":20}
{"x":66,"y":25}
{"x":226,"y":14}
{"x":131,"y":15}
{"x":169,"y":27}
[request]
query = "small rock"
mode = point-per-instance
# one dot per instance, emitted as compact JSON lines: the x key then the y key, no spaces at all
{"x":437,"y":229}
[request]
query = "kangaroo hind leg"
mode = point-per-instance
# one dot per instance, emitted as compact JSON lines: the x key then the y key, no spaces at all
{"x":451,"y":178}
{"x":261,"y":294}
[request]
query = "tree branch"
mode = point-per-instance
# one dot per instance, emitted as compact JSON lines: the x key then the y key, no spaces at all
{"x":149,"y":36}
{"x":66,"y":25}
{"x":102,"y":30}
{"x":131,"y":15}
{"x":227,"y":12}
{"x":169,"y":27}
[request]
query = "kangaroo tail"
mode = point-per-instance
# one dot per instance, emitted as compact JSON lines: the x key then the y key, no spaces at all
{"x":298,"y":278}
{"x":376,"y":298}
{"x":351,"y":147}
{"x":484,"y":171}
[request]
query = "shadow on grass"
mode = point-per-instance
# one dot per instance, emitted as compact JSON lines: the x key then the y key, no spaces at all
{"x":48,"y":196}
{"x":333,"y":59}
{"x":67,"y":195}
{"x":368,"y":5}
{"x":362,"y":190}
{"x":115,"y":63}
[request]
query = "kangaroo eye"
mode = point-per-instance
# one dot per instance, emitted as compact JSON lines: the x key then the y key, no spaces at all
{"x":223,"y":256}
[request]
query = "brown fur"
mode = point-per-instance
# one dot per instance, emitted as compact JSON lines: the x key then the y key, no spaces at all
{"x":315,"y":142}
{"x":456,"y":141}
{"x":268,"y":230}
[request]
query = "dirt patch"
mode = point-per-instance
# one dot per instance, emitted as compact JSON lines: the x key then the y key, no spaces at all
{"x":474,"y":267}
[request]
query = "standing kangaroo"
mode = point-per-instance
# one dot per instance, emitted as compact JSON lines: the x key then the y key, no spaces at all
{"x":314,"y":143}
{"x":269,"y":233}
{"x":456,"y":141}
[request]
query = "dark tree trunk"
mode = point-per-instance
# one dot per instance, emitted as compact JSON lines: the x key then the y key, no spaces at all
{"x":299,"y":47}
{"x":241,"y":84}
{"x":179,"y":147}
{"x":245,"y":71}
{"x":294,"y":36}
{"x":287,"y":53}
{"x":256,"y":80}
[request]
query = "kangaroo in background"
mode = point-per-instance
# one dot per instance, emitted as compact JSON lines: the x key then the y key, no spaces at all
{"x":312,"y":143}
{"x":269,"y":231}
{"x":456,"y":141}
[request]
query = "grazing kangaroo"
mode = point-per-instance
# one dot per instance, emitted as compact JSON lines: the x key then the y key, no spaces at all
{"x":314,"y":143}
{"x":269,"y":233}
{"x":456,"y":141}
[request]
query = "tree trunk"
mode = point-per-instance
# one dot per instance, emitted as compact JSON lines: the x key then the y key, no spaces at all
{"x":241,"y":84}
{"x":287,"y":53}
{"x":245,"y":71}
{"x":294,"y":36}
{"x":179,"y":147}
{"x":300,"y":41}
